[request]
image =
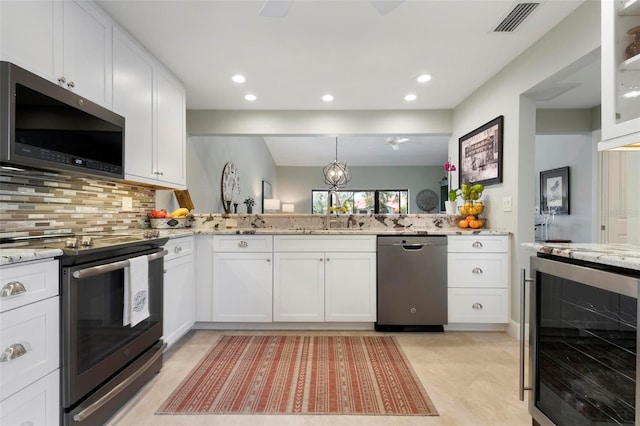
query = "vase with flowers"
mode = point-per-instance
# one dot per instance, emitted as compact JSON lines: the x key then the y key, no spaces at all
{"x":450,"y":204}
{"x":249,"y":202}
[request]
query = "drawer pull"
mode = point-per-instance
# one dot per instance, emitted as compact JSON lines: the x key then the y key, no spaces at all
{"x":177,"y":249}
{"x":15,"y":351}
{"x":476,"y":244}
{"x":476,"y":270}
{"x":477,"y":306}
{"x":14,"y":288}
{"x":243,"y":244}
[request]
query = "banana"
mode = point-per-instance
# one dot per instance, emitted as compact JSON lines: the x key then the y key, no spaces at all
{"x":180,"y":213}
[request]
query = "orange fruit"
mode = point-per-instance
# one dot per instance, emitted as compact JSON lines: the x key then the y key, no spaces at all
{"x":463,"y":223}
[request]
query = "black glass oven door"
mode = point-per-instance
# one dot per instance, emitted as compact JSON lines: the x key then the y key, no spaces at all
{"x":96,"y":343}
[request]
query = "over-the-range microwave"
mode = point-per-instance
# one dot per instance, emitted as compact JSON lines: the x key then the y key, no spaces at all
{"x":47,"y":127}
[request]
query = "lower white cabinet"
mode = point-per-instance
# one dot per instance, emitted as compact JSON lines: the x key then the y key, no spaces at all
{"x":204,"y":277}
{"x":242,"y":278}
{"x":478,"y":278}
{"x":312,"y":284}
{"x":179,"y":307}
{"x":37,"y":404}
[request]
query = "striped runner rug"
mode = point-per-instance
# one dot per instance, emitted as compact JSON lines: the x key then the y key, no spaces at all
{"x":365,"y":375}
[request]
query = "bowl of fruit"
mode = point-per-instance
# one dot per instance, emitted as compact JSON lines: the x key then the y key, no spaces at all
{"x":161,"y":219}
{"x":472,"y":207}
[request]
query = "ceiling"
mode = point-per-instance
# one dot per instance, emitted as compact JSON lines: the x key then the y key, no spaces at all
{"x":366,"y":59}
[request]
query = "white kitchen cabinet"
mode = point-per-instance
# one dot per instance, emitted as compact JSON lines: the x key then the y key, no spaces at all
{"x":478,"y":278}
{"x":325,"y":278}
{"x":37,"y":404}
{"x":179,"y":307}
{"x":242,"y":278}
{"x":620,"y":75}
{"x":204,"y":277}
{"x":153,"y":103}
{"x":68,"y":42}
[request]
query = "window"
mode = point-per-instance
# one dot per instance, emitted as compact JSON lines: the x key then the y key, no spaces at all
{"x":378,"y":201}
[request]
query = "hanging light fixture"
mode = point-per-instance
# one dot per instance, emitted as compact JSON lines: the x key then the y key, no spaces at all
{"x":336,"y":173}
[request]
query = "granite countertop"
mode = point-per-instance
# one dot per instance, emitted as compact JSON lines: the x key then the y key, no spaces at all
{"x":621,"y":255}
{"x":345,"y":231}
{"x":10,"y":256}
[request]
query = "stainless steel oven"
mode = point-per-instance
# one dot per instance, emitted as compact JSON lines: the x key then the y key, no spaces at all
{"x":103,"y":362}
{"x":583,"y":340}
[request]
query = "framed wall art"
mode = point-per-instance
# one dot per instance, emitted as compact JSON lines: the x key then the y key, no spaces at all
{"x":554,"y":191}
{"x":480,"y":154}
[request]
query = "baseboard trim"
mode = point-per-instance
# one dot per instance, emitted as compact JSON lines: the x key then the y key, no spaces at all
{"x":513,"y":330}
{"x":360,"y":326}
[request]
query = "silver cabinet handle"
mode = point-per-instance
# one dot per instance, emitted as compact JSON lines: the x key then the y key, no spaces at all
{"x":268,"y":260}
{"x":62,"y":80}
{"x":523,"y":288}
{"x":177,"y":249}
{"x":477,"y":306}
{"x":328,"y":259}
{"x":321,"y":260}
{"x":157,"y":173}
{"x":243,"y":244}
{"x":15,"y":351}
{"x":71,"y":85}
{"x":476,"y":270}
{"x":477,"y":244}
{"x":14,"y":288}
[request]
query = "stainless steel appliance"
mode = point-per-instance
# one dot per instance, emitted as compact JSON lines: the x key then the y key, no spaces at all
{"x":583,"y":340}
{"x":103,"y":362}
{"x":45,"y":126}
{"x":412,"y":283}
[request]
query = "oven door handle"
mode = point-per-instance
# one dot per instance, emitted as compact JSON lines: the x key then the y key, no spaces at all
{"x":523,"y":290}
{"x":109,"y":267}
{"x":82,"y":415}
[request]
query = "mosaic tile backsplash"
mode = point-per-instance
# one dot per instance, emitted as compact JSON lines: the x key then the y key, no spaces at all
{"x":39,"y":204}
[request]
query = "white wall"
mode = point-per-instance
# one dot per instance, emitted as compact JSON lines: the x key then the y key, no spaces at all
{"x":206,"y":157}
{"x":295,"y":183}
{"x":574,"y":38}
{"x":577,"y":152}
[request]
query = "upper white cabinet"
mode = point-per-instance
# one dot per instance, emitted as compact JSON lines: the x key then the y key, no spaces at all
{"x":620,"y":74}
{"x":153,"y":104}
{"x":67,"y":42}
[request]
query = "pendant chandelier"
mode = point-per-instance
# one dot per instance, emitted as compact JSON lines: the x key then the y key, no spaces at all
{"x":336,"y":173}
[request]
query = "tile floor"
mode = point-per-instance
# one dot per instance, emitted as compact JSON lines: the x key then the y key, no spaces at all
{"x":471,"y":377}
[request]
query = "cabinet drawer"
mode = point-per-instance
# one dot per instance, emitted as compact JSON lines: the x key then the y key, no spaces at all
{"x":178,"y":247}
{"x":39,"y":279}
{"x":335,"y":243}
{"x":243,"y":243}
{"x":478,"y":270}
{"x":36,"y":328}
{"x":478,"y":243}
{"x":483,"y":305}
{"x":37,"y":404}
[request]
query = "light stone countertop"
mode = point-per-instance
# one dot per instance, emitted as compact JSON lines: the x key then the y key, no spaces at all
{"x":10,"y":256}
{"x":345,"y":231}
{"x":621,"y":255}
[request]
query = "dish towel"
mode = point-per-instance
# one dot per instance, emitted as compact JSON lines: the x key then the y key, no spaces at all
{"x":136,"y":291}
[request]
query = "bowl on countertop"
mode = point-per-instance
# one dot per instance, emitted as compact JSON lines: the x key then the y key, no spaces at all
{"x":170,"y":223}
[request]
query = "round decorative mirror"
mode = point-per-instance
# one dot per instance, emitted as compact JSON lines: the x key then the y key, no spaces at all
{"x":427,"y":200}
{"x":230,"y":188}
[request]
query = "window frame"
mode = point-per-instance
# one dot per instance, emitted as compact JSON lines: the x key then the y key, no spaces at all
{"x":403,"y":194}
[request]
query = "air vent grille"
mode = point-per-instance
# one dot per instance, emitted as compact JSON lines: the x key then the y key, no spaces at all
{"x":515,"y":17}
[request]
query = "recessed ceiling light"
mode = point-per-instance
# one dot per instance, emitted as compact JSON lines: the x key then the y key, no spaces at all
{"x":238,"y":78}
{"x":250,"y":97}
{"x":410,"y":97}
{"x":423,"y":78}
{"x":327,"y":98}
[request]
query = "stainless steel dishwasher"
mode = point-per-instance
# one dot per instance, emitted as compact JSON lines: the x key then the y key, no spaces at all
{"x":412,"y":283}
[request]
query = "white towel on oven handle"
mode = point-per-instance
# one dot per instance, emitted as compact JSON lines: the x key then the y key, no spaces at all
{"x":136,"y":291}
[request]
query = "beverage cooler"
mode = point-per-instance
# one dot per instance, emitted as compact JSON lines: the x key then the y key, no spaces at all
{"x":583,"y":338}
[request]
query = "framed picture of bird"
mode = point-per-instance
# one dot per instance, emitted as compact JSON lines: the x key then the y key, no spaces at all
{"x":554,"y":191}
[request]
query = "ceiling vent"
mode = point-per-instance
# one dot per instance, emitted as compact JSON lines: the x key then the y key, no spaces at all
{"x":515,"y":17}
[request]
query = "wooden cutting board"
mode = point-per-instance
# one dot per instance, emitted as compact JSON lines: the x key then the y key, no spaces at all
{"x":184,"y":199}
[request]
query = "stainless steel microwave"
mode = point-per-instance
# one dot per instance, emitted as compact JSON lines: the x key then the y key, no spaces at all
{"x":47,"y":127}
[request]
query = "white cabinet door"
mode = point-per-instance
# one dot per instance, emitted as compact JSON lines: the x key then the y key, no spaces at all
{"x":350,"y":287}
{"x":133,"y":91}
{"x":298,"y":287}
{"x":170,"y":119}
{"x":179,"y":299}
{"x":204,"y":277}
{"x":35,"y":52}
{"x":37,"y":404}
{"x":242,"y":287}
{"x":86,"y":63}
